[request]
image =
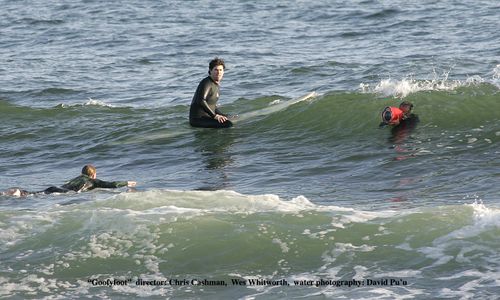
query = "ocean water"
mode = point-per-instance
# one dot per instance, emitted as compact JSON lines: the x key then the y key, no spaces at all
{"x":304,"y":198}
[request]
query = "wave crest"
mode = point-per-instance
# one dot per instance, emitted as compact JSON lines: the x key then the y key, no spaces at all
{"x":403,"y":88}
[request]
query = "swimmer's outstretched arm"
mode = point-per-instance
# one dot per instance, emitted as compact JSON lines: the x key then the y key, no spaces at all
{"x":112,"y":184}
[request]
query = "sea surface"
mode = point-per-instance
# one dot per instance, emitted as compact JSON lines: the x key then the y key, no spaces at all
{"x":304,"y":198}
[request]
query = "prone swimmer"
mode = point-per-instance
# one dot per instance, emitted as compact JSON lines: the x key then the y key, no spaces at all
{"x":392,"y":115}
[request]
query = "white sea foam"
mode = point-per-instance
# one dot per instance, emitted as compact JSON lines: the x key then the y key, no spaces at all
{"x":496,"y":76}
{"x":483,"y":219}
{"x":400,"y":274}
{"x":165,"y":206}
{"x":196,"y":202}
{"x":20,"y":227}
{"x":95,"y":102}
{"x":284,"y":247}
{"x":406,"y":86}
{"x":476,"y":280}
{"x":89,"y":102}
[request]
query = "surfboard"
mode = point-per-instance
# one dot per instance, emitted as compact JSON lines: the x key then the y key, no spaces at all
{"x":274,"y":107}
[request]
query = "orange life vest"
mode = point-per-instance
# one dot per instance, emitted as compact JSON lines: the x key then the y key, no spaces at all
{"x":391,"y":114}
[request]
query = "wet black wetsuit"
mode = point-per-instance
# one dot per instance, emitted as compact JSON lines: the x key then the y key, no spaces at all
{"x":203,"y":106}
{"x":84,"y":183}
{"x":78,"y":184}
{"x":401,"y":131}
{"x":407,"y":124}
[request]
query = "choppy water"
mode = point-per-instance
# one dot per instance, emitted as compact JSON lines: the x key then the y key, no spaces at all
{"x":309,"y":193}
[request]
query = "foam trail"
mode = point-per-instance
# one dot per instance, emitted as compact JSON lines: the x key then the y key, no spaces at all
{"x":275,"y":108}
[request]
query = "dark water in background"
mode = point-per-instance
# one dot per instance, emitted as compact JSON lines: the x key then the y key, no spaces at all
{"x":311,"y":190}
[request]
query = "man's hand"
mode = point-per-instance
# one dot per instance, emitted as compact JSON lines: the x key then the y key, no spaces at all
{"x":220,"y":118}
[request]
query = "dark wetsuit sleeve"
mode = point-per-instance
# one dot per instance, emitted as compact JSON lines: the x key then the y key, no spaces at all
{"x":217,"y":111}
{"x":204,"y":103}
{"x":97,"y":183}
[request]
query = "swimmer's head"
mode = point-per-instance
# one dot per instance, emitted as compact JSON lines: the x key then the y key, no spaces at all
{"x":90,"y":171}
{"x":216,"y":69}
{"x":392,"y":115}
{"x":216,"y":62}
{"x":406,"y":107}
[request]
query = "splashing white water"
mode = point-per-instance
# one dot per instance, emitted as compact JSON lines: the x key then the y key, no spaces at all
{"x":404,"y":87}
{"x":496,"y":76}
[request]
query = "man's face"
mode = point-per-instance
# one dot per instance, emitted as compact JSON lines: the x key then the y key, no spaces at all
{"x":405,"y":108}
{"x":217,"y":73}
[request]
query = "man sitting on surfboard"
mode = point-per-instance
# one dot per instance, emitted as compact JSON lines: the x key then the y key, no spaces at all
{"x":204,"y":111}
{"x":85,"y":182}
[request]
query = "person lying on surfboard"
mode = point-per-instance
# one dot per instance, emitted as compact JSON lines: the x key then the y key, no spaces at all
{"x":203,"y":111}
{"x":85,"y":182}
{"x":395,"y":116}
{"x":402,"y":121}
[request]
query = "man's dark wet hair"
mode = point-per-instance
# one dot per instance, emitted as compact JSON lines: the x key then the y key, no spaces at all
{"x":406,"y":103}
{"x":216,"y":62}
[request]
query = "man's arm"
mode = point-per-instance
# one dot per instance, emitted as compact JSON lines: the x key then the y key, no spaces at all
{"x":112,"y":184}
{"x":217,"y":115}
{"x":203,"y":101}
